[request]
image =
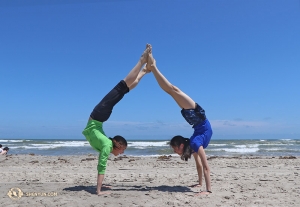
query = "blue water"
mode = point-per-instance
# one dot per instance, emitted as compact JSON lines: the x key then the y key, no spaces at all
{"x":275,"y":147}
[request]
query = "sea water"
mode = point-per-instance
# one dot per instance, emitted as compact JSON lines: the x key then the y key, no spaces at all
{"x":234,"y":147}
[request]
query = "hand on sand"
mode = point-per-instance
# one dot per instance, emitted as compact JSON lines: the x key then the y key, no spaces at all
{"x":147,"y":51}
{"x":195,"y":186}
{"x":103,"y":193}
{"x":202,"y":193}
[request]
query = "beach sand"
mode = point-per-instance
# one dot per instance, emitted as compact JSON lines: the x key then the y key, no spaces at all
{"x":148,"y":181}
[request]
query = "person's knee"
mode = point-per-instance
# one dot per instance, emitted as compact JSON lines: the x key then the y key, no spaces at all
{"x":122,"y":86}
{"x":173,"y":90}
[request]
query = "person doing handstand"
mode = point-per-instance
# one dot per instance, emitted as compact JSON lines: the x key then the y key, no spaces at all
{"x":93,"y":131}
{"x":194,"y":114}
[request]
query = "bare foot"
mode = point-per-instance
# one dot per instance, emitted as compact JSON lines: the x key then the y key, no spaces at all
{"x":151,"y":62}
{"x":147,"y":51}
{"x":145,"y":70}
{"x":196,"y":185}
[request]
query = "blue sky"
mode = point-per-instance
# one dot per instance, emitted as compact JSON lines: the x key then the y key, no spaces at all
{"x":239,"y":60}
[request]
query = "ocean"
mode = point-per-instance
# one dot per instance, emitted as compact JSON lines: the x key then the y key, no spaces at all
{"x":274,"y":147}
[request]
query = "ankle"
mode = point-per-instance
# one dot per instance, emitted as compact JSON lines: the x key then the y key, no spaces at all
{"x":142,"y":61}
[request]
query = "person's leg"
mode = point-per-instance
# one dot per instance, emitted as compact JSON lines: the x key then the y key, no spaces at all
{"x":182,"y":99}
{"x":104,"y":109}
{"x":141,"y":74}
{"x":133,"y":74}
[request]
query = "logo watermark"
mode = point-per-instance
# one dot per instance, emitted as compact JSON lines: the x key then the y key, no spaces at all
{"x":17,"y":193}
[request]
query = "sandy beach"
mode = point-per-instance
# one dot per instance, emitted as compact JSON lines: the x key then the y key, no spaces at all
{"x":34,"y":180}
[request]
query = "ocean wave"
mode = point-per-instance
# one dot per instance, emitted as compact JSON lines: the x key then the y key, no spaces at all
{"x":148,"y":144}
{"x":279,"y":150}
{"x":218,"y":145}
{"x":155,"y":147}
{"x":56,"y":144}
{"x":275,"y":144}
{"x":247,"y":146}
{"x":238,"y":150}
{"x":7,"y":140}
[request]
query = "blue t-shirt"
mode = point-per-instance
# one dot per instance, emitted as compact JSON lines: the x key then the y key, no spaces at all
{"x":202,"y":135}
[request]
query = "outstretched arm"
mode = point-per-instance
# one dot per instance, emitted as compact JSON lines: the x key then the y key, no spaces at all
{"x":100,"y":179}
{"x":206,"y":170}
{"x":199,"y":169}
{"x":102,"y":161}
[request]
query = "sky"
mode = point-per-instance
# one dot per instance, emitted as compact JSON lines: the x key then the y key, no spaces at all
{"x":238,"y":59}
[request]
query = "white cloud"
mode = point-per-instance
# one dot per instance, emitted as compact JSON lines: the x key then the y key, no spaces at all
{"x":229,"y":127}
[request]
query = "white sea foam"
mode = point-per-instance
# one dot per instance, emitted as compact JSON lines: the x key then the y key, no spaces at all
{"x":71,"y":143}
{"x":157,"y":155}
{"x":275,"y":149}
{"x":140,"y":147}
{"x":247,"y":146}
{"x":238,"y":150}
{"x":143,"y":145}
{"x":54,"y":145}
{"x":218,"y":145}
{"x":155,"y":147}
{"x":276,"y":144}
{"x":242,"y":150}
{"x":7,"y":140}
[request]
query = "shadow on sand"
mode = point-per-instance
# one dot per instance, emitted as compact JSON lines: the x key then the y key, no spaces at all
{"x":162,"y":188}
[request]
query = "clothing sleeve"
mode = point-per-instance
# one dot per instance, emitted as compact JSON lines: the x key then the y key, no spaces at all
{"x":102,"y":161}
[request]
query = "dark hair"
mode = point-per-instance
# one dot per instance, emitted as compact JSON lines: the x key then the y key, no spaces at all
{"x":187,"y":151}
{"x":0,"y":145}
{"x":6,"y":148}
{"x":118,"y":141}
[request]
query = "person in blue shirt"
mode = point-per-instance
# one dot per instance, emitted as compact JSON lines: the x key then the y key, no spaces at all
{"x":194,"y":114}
